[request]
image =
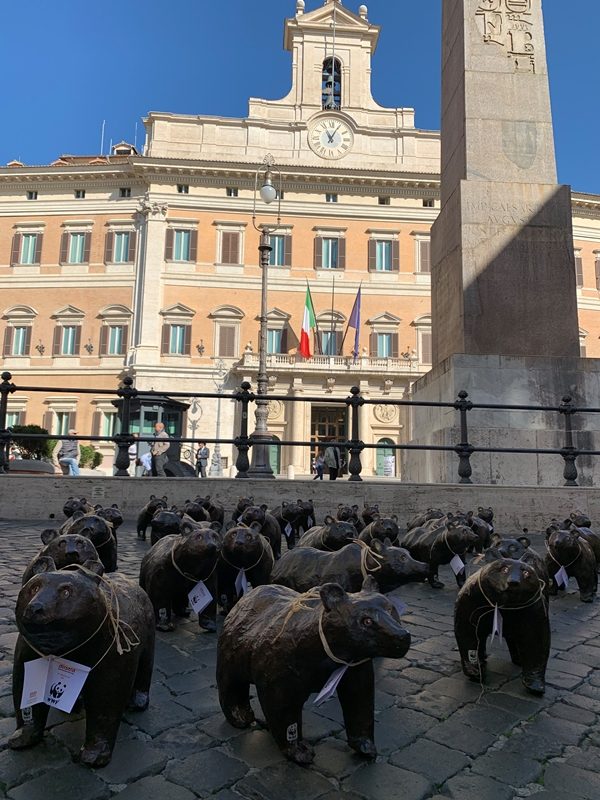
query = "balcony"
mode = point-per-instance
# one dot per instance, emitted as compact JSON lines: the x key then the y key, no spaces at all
{"x":363,"y":365}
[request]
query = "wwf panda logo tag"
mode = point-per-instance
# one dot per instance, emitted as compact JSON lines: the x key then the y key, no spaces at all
{"x":472,"y":656}
{"x":292,"y":732}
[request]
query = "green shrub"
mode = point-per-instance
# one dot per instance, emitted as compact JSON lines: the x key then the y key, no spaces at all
{"x":89,"y":456}
{"x":98,"y":459}
{"x":36,"y":449}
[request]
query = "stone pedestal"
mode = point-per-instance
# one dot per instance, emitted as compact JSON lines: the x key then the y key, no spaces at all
{"x":513,"y":381}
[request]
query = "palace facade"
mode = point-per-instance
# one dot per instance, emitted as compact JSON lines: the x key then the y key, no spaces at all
{"x":148,"y":263}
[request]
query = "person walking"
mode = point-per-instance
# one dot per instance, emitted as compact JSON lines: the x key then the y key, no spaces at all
{"x":319,"y":465}
{"x":132,"y":450}
{"x":333,"y":460}
{"x":67,"y":454}
{"x":202,"y":457}
{"x":159,"y":448}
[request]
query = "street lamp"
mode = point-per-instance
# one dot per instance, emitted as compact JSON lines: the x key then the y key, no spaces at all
{"x":219,"y":378}
{"x":261,"y":465}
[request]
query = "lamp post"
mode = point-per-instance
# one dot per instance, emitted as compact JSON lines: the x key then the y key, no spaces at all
{"x":261,"y":466}
{"x":219,"y":377}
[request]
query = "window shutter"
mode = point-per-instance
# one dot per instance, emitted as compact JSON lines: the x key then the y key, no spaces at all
{"x":103,"y":340}
{"x":21,"y":418}
{"x":395,"y":256}
{"x":64,"y":247}
{"x":165,"y":340}
{"x":57,"y":340}
{"x":287,"y":251}
{"x":372,"y":255}
{"x":72,"y":419}
{"x":598,"y":273}
{"x":426,"y":356}
{"x":96,"y":422}
{"x":15,"y":254}
{"x":38,"y":248}
{"x":230,"y":246}
{"x":579,"y":270}
{"x":227,"y":341}
{"x":27,"y":347}
{"x":109,"y":243}
{"x":337,"y":342}
{"x":8,"y":340}
{"x":193,"y":246}
{"x":124,"y":340}
{"x":77,"y":343}
{"x":341,"y":253}
{"x":373,"y":345}
{"x":284,"y":340}
{"x":395,"y":345}
{"x":132,"y":244}
{"x":87,"y":247}
{"x":47,"y":423}
{"x":425,"y":256}
{"x":318,"y":252}
{"x":169,"y":244}
{"x":187,"y":340}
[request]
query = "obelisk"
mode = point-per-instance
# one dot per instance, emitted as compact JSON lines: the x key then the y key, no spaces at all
{"x":503,"y":269}
{"x":504,"y":296}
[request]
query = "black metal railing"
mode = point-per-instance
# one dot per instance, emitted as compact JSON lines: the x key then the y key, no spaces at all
{"x":244,"y":397}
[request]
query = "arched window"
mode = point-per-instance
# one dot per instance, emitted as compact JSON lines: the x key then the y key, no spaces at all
{"x":332,"y":84}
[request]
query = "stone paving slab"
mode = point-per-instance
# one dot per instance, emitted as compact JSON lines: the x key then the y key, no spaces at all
{"x":439,"y":736}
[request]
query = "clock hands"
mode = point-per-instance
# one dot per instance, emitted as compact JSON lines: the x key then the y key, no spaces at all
{"x":331,"y":137}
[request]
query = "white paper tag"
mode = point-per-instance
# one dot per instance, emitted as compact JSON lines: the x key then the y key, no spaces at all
{"x":239,"y":519}
{"x":400,"y":607}
{"x":457,"y":565}
{"x":561,"y":578}
{"x":497,"y":627}
{"x":310,"y":522}
{"x":241,"y":583}
{"x":56,"y":682}
{"x":328,"y":690}
{"x":199,"y":597}
{"x":288,"y":530}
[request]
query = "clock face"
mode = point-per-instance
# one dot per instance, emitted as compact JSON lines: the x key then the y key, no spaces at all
{"x":330,"y":138}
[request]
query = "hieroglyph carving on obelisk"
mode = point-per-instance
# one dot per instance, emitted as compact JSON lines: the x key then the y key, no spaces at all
{"x":509,"y":24}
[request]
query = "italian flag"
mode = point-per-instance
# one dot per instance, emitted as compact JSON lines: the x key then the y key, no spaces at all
{"x":308,"y":324}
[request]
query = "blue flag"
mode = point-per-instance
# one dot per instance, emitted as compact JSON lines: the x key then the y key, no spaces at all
{"x":354,"y":322}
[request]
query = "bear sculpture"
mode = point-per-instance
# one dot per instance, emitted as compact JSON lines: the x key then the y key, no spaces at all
{"x":246,"y":555}
{"x":148,"y":511}
{"x":569,"y":551}
{"x":331,"y":536}
{"x":439,"y":545}
{"x":62,"y":551}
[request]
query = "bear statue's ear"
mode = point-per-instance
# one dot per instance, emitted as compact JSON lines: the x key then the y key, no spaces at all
{"x":98,"y":507}
{"x":185,"y":502}
{"x":377,"y":546}
{"x":284,"y":504}
{"x":355,"y":508}
{"x":43,"y":564}
{"x":568,"y":523}
{"x":256,"y":526}
{"x":328,"y":520}
{"x":186,"y":528}
{"x":95,"y":567}
{"x":216,"y":526}
{"x":115,"y":505}
{"x":369,"y":584}
{"x":395,"y":518}
{"x":450,"y":515}
{"x":165,"y":498}
{"x":492,"y":554}
{"x":495,"y":539}
{"x":152,"y":497}
{"x":265,"y":507}
{"x":480,"y":509}
{"x":524,"y":541}
{"x":49,"y":535}
{"x":332,"y":596}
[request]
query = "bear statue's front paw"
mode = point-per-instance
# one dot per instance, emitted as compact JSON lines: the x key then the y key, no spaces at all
{"x":139,"y":701}
{"x":165,"y":627}
{"x":436,"y":583}
{"x":587,"y":597}
{"x":141,"y":535}
{"x":363,"y":746}
{"x":95,"y":756}
{"x":27,"y":736}
{"x":300,"y":753}
{"x":207,"y":624}
{"x":534,"y":683}
{"x":474,"y":670}
{"x":240,"y":716}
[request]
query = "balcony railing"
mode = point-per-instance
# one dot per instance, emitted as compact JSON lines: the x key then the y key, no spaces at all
{"x":319,"y":363}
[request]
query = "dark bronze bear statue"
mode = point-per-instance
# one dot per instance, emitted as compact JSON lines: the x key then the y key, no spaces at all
{"x":505,"y":597}
{"x":105,"y":623}
{"x":288,"y":645}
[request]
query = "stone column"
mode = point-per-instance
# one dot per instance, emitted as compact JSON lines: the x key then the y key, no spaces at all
{"x":364,"y":420}
{"x":148,"y":293}
{"x":300,"y":456}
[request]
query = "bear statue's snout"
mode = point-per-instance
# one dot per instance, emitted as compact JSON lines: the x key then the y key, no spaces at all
{"x":34,"y":611}
{"x":515,"y":576}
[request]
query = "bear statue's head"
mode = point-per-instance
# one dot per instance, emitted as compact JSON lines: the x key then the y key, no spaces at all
{"x":486,"y":514}
{"x":336,"y":534}
{"x":347,"y":513}
{"x":155,"y":503}
{"x":252,"y":514}
{"x":580,"y":520}
{"x":459,"y":537}
{"x":59,"y":609}
{"x":507,"y":548}
{"x":195,"y":510}
{"x":362,"y":625}
{"x":243,"y":503}
{"x":385,"y":528}
{"x":565,"y":545}
{"x":96,"y":528}
{"x":71,"y":548}
{"x":291,"y":512}
{"x":112,"y":514}
{"x":507,"y":582}
{"x":73,"y":504}
{"x":243,"y":545}
{"x":370,"y":512}
{"x":393,"y":566}
{"x":166,"y":523}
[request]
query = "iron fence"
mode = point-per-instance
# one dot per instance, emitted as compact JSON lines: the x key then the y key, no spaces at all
{"x":243,"y":441}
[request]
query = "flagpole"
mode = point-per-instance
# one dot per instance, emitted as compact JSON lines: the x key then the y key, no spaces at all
{"x":350,"y":319}
{"x":332,"y":311}
{"x":319,"y":348}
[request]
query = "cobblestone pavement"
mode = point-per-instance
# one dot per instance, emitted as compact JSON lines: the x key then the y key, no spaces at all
{"x":438,"y":735}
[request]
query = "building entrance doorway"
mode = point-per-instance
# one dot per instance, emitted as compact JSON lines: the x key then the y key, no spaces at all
{"x":327,"y":423}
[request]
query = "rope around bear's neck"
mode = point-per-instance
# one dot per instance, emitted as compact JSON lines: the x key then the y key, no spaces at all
{"x":256,"y":563}
{"x":444,"y":537}
{"x":539,"y":595}
{"x":124,"y":640}
{"x":556,"y":561}
{"x":328,"y":649}
{"x":185,"y":574}
{"x":365,"y":553}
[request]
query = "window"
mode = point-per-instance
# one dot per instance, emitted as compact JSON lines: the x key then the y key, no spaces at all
{"x":17,"y":340}
{"x":330,"y":252}
{"x":423,"y":255}
{"x":29,"y":249}
{"x":231,"y":191}
{"x":125,"y":191}
{"x":425,"y":356}
{"x":113,"y":340}
{"x":79,"y":194}
{"x":32,"y":195}
{"x":226,"y":341}
{"x":331,"y":198}
{"x":383,"y":344}
{"x":331,"y":84}
{"x":276,"y":340}
{"x":230,"y":247}
{"x":383,"y":256}
{"x":279,"y":195}
{"x":63,"y":423}
{"x":121,"y":247}
{"x":384,"y":201}
{"x":109,"y":423}
{"x":183,"y":188}
{"x":14,"y":418}
{"x":330,"y":343}
{"x":76,"y":248}
{"x":181,"y":246}
{"x":579,"y":269}
{"x":428,"y":202}
{"x":281,"y":254}
{"x":176,"y":339}
{"x":68,"y":340}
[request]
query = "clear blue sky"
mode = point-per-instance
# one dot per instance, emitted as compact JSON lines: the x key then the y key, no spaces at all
{"x":69,"y":64}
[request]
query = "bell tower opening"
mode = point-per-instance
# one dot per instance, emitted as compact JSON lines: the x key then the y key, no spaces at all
{"x":332,"y":84}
